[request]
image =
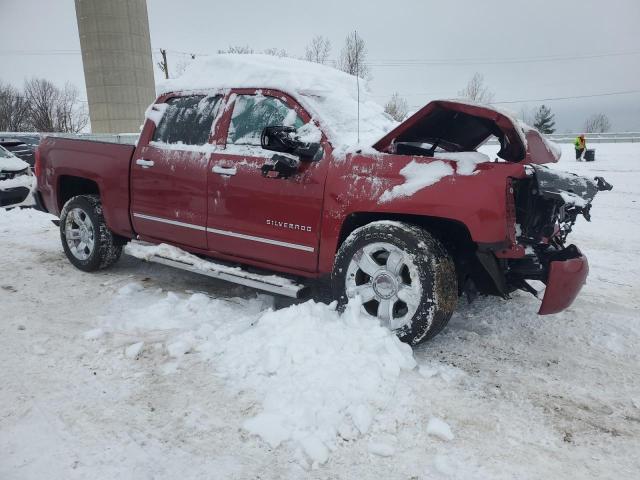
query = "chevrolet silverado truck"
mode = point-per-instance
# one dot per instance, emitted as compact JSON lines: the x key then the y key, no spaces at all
{"x":249,"y":178}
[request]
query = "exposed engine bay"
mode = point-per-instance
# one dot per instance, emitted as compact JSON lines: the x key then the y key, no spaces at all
{"x":547,"y":205}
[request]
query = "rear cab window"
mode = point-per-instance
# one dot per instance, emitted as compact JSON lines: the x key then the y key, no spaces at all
{"x":187,"y":120}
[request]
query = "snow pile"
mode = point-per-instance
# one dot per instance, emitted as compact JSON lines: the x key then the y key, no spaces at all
{"x":319,"y":374}
{"x":417,"y":176}
{"x":316,"y":374}
{"x":330,"y":95}
{"x":440,"y":429}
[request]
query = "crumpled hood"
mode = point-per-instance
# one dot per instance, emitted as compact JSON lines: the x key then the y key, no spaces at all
{"x":462,"y":127}
{"x":570,"y":188}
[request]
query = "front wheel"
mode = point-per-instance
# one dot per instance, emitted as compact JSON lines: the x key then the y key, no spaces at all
{"x":87,"y":242}
{"x":403,"y":276}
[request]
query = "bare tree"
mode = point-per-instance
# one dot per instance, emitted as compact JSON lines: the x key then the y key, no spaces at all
{"x":14,"y":110}
{"x":237,"y":49}
{"x":42,"y":96}
{"x":70,"y":113}
{"x":597,"y":123}
{"x":397,"y":107}
{"x":276,"y":52}
{"x":476,"y":90}
{"x":318,"y":50}
{"x":353,"y":57}
{"x":52,"y":109}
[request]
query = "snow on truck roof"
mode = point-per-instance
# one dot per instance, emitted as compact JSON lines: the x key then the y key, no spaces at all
{"x":329,"y":95}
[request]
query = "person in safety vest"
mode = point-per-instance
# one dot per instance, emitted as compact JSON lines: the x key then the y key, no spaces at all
{"x":581,"y":147}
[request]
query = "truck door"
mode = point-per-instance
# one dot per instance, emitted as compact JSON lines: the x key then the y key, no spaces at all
{"x":269,"y":220}
{"x":169,"y":174}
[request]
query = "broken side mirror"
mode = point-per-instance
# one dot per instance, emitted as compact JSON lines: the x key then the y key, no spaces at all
{"x":283,"y":139}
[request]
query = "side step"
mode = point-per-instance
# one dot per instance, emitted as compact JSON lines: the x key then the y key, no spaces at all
{"x":177,"y":258}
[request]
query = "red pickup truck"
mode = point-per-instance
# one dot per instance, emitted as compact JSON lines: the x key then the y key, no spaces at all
{"x":250,"y":177}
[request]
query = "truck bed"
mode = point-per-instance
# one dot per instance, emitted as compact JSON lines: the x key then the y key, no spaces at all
{"x":68,"y":165}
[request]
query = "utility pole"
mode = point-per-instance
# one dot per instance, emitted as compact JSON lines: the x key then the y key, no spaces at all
{"x":355,"y":39}
{"x":164,"y":66}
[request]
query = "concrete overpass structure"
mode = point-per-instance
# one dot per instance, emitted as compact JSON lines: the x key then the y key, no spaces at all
{"x":117,"y":62}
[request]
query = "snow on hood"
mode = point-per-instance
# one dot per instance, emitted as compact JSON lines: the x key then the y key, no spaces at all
{"x":9,"y":162}
{"x":330,"y":95}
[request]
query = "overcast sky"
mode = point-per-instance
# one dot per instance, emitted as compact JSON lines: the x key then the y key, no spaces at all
{"x":526,"y":50}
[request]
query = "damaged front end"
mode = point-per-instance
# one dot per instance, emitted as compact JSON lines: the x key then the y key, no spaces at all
{"x":547,"y":204}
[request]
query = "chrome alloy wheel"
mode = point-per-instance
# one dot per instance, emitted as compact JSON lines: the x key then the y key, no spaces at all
{"x":79,"y":233}
{"x":387,"y":282}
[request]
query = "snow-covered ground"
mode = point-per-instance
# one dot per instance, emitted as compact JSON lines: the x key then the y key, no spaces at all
{"x":142,"y":371}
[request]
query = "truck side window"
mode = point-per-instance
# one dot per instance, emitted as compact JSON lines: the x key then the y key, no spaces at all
{"x":187,"y":120}
{"x":252,"y":113}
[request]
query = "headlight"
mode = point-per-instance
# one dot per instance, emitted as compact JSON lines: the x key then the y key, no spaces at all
{"x":11,"y":175}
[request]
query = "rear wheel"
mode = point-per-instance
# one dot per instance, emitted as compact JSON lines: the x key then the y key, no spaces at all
{"x":87,"y":242}
{"x":403,"y":276}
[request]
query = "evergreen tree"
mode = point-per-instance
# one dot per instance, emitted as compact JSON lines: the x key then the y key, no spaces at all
{"x":544,"y":120}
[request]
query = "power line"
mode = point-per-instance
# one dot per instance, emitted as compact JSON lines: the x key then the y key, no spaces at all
{"x":551,"y":99}
{"x":627,"y":92}
{"x":406,"y":62}
{"x":480,"y":61}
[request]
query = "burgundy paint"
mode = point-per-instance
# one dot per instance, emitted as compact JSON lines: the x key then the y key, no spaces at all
{"x":565,"y":281}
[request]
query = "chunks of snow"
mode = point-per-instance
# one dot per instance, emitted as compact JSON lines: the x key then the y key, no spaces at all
{"x":418,"y":175}
{"x":381,"y":449}
{"x":269,"y":426}
{"x":155,"y":112}
{"x":315,"y":449}
{"x":309,"y":133}
{"x":315,"y":374}
{"x":465,"y":161}
{"x":94,"y":334}
{"x":446,"y":372}
{"x":439,"y":428}
{"x":327,"y":364}
{"x":132,"y":351}
{"x":361,"y":417}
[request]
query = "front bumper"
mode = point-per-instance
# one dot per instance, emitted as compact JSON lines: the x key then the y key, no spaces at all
{"x":13,"y":196}
{"x":564,"y":282}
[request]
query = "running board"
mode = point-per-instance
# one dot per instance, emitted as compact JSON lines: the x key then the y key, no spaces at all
{"x":176,"y":258}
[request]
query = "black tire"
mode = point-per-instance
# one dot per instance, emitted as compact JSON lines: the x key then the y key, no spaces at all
{"x":435,"y":269}
{"x":105,"y":251}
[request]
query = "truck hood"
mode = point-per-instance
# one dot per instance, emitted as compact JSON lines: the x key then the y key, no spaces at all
{"x":462,"y":127}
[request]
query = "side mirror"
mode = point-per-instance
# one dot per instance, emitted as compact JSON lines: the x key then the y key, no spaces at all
{"x":283,"y":139}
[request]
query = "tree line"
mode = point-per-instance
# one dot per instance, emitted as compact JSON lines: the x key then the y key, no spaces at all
{"x":41,"y":106}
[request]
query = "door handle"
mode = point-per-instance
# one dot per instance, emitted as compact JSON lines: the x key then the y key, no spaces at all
{"x":144,"y":163}
{"x":224,"y":170}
